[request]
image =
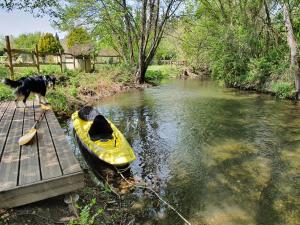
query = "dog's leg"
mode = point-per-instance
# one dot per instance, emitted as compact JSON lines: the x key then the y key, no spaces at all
{"x":44,"y":100}
{"x":38,"y":97}
{"x":16,"y":102}
{"x":24,"y":100}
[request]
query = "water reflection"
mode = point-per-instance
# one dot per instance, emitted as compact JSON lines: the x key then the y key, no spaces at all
{"x":220,"y":156}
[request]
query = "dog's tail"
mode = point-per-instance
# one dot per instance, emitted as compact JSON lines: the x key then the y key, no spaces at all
{"x":12,"y":83}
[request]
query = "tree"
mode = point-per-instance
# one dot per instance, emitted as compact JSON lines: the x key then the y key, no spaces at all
{"x":39,"y":7}
{"x":27,"y":40}
{"x":133,"y":28}
{"x":49,"y":44}
{"x":295,"y":64}
{"x":78,"y":36}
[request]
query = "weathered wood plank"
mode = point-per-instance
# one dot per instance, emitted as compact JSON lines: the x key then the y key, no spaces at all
{"x":34,"y":172}
{"x":41,"y":190}
{"x":66,"y":157}
{"x":9,"y":164}
{"x":29,"y":161}
{"x":3,"y":107}
{"x":5,"y":124}
{"x":49,"y":163}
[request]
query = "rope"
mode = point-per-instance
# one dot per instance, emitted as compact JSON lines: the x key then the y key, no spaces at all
{"x":157,"y":195}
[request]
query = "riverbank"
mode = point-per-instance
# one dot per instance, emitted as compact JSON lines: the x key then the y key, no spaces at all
{"x":75,"y":89}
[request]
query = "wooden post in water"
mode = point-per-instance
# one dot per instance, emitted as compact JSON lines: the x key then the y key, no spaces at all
{"x":37,"y":57}
{"x":10,"y":63}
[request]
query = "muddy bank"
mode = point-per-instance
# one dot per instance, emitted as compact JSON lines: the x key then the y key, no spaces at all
{"x":89,"y":95}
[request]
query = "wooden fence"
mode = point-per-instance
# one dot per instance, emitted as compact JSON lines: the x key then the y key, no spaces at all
{"x":35,"y":56}
{"x":173,"y":62}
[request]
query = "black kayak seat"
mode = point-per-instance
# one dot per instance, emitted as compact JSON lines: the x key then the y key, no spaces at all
{"x":100,"y":129}
{"x":87,"y":113}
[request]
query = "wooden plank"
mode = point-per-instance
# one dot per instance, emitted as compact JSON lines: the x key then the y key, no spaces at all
{"x":48,"y":159}
{"x":9,"y":164}
{"x":45,"y":63}
{"x":22,"y":65}
{"x":3,"y":108}
{"x":21,"y":51}
{"x":5,"y":124}
{"x":41,"y":190}
{"x":29,"y":160}
{"x":66,"y":157}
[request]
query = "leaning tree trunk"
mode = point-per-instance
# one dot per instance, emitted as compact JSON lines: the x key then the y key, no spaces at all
{"x":295,"y":67}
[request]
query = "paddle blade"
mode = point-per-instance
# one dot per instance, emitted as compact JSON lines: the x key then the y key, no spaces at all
{"x":26,"y":138}
{"x":45,"y":107}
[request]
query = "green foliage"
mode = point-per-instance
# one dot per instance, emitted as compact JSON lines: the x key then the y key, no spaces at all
{"x":156,"y":74}
{"x":154,"y":77}
{"x":283,"y":89}
{"x":48,"y":43}
{"x":27,"y":40}
{"x":237,"y":44}
{"x":3,"y":72}
{"x":1,"y":45}
{"x":58,"y":100}
{"x":78,"y":36}
{"x":87,"y":214}
{"x":6,"y":93}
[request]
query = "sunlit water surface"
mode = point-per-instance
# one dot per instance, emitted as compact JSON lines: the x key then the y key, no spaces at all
{"x":219,"y":156}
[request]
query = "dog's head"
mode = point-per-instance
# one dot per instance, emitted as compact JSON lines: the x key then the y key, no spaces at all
{"x":50,"y":81}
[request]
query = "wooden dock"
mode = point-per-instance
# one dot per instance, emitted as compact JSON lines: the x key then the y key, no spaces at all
{"x":45,"y":168}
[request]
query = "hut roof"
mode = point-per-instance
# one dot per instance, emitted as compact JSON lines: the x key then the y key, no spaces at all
{"x":108,"y":53}
{"x":81,"y":49}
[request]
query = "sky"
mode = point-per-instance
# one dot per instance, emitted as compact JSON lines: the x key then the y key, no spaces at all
{"x":17,"y":22}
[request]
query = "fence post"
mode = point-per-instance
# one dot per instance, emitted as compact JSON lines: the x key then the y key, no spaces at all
{"x":74,"y":65}
{"x":10,"y":64}
{"x":61,"y":62}
{"x":37,"y":57}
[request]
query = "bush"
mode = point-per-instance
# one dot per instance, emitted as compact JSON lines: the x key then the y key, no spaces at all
{"x":48,"y":43}
{"x":283,"y":89}
{"x":154,"y":76}
{"x":6,"y":93}
{"x":58,"y":100}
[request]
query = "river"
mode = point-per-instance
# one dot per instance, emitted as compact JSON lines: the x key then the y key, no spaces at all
{"x":219,"y":156}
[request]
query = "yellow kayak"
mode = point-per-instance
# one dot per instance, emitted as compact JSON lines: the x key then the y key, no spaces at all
{"x":115,"y":151}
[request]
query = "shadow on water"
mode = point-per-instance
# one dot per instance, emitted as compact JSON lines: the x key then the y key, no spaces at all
{"x":219,"y":156}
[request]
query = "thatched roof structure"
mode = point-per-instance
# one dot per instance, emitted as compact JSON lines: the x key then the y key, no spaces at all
{"x":81,"y":49}
{"x":108,"y":53}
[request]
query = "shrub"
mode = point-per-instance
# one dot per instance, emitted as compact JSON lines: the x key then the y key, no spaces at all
{"x":5,"y":92}
{"x":283,"y":89}
{"x":48,"y":43}
{"x":154,"y":76}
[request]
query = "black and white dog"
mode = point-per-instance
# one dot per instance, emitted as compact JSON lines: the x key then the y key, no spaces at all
{"x":26,"y":85}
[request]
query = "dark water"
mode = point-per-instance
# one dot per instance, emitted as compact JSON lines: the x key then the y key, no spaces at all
{"x":219,"y":156}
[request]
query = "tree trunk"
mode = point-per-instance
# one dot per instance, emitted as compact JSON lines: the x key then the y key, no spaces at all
{"x":141,"y":72}
{"x":294,"y":49}
{"x":141,"y":68}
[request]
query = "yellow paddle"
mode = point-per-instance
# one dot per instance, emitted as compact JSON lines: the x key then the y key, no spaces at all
{"x":26,"y":138}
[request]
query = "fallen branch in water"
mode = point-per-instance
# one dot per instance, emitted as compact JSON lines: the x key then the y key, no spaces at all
{"x":157,"y":195}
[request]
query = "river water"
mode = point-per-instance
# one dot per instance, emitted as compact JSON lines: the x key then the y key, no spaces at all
{"x":219,"y":156}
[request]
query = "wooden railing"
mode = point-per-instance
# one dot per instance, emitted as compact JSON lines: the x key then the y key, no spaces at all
{"x":173,"y":62}
{"x":35,"y":55}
